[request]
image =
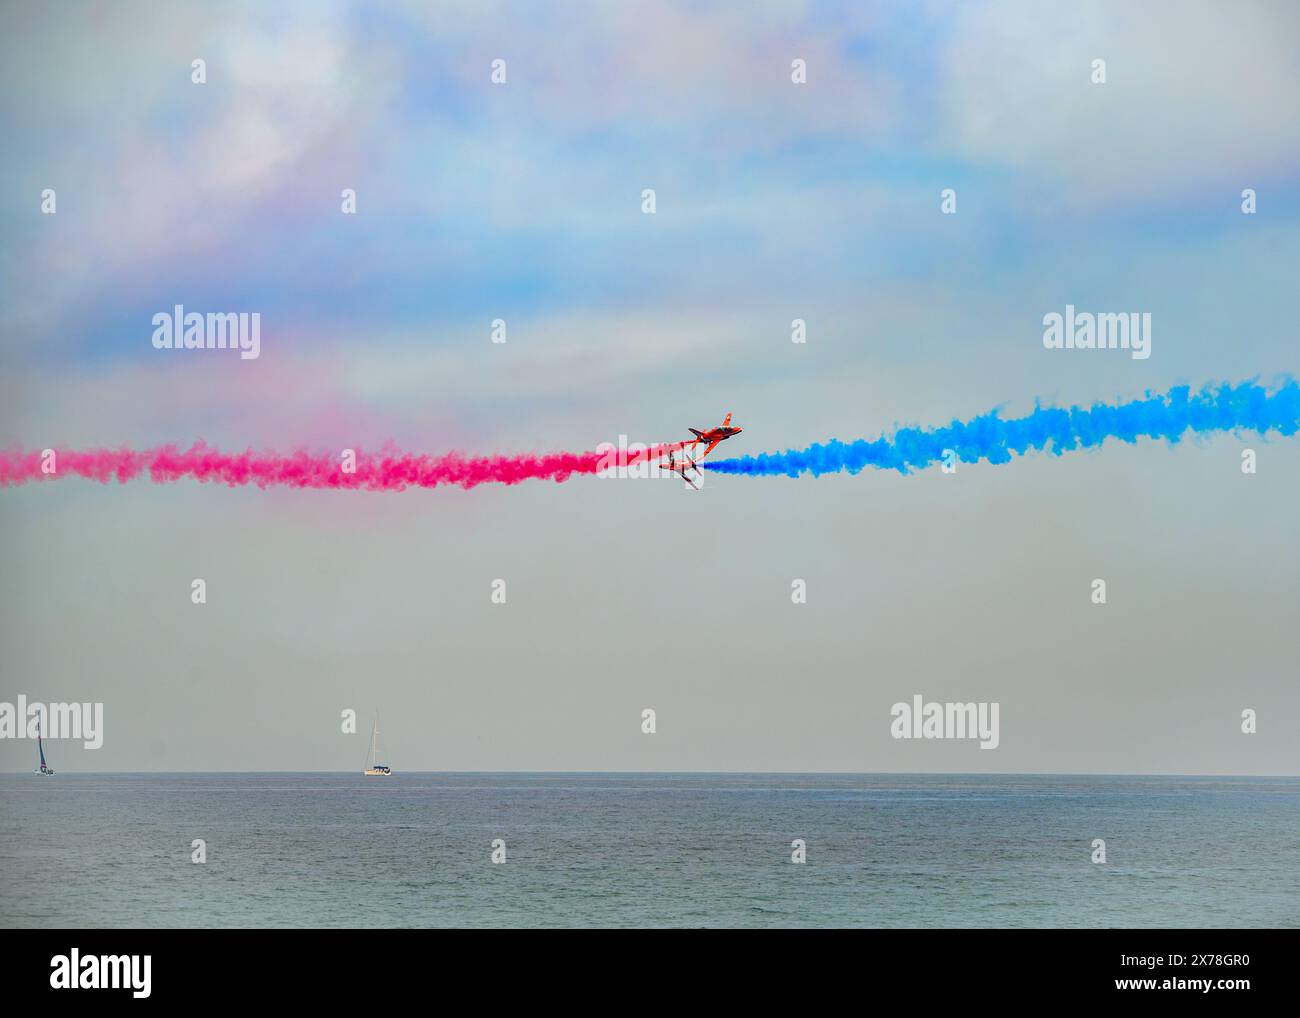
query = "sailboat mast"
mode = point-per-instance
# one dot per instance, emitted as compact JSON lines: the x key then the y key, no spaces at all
{"x":373,"y":766}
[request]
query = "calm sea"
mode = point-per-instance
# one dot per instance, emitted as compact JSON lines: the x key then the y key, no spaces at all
{"x":647,"y":850}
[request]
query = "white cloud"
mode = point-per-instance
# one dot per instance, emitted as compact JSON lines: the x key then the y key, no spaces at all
{"x":1197,"y":93}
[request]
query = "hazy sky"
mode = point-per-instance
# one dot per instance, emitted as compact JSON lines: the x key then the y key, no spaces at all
{"x":522,"y":202}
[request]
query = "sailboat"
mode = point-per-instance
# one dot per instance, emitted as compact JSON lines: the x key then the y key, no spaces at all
{"x":373,"y":767}
{"x":46,"y":769}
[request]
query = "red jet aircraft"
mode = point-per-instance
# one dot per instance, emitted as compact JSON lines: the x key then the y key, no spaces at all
{"x":681,"y":468}
{"x":714,"y":435}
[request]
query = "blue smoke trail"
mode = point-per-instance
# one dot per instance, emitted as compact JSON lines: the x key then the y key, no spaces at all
{"x":1247,"y":406}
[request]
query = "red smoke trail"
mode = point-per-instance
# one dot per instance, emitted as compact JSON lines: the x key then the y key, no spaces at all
{"x":388,"y":471}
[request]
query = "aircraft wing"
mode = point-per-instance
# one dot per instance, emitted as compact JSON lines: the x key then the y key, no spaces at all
{"x":712,"y":445}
